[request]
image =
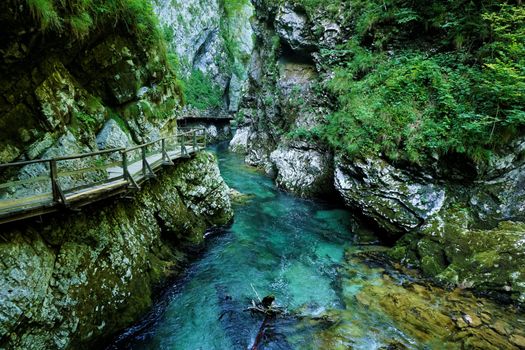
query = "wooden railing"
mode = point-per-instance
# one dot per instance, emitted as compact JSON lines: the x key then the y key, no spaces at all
{"x":91,"y":173}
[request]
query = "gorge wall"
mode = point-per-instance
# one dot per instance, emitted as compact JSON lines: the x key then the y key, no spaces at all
{"x":78,"y":278}
{"x":457,"y":219}
{"x":79,"y":77}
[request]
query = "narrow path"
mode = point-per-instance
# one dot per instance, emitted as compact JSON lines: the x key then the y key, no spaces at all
{"x":120,"y":177}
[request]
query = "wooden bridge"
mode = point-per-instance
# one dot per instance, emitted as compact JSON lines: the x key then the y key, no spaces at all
{"x":77,"y":180}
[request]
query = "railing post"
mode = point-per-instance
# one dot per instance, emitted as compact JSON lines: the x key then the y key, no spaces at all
{"x":144,"y":161}
{"x":165,"y":156}
{"x":204,"y":137}
{"x":125,"y":171}
{"x":163,"y":145}
{"x":58,"y":195}
{"x":194,"y":140}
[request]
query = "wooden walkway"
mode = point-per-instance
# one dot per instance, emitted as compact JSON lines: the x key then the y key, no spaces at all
{"x":68,"y":183}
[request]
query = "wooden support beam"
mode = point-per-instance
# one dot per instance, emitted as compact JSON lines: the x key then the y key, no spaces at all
{"x":58,"y":195}
{"x":165,"y":156}
{"x":125,"y":170}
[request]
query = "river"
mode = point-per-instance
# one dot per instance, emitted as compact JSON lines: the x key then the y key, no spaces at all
{"x":296,"y":250}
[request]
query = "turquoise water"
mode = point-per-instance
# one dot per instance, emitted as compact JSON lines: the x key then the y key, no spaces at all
{"x":278,"y":244}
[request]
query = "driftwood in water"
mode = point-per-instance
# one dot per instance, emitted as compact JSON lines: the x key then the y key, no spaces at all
{"x":267,"y":308}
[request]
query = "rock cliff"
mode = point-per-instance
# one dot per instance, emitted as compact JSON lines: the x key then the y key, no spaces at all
{"x":72,"y":85}
{"x":443,"y":213}
{"x":76,"y":278}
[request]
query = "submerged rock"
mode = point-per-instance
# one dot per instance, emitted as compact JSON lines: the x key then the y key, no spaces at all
{"x":239,"y":198}
{"x":417,"y":315}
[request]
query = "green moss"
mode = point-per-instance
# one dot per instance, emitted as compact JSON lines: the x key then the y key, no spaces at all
{"x":431,"y":265}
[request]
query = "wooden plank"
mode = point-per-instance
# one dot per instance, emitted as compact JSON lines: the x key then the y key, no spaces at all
{"x":95,"y":191}
{"x":12,"y":204}
{"x":25,"y":181}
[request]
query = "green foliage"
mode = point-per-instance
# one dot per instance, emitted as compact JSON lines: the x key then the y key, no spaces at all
{"x":201,"y":92}
{"x":306,"y":134}
{"x":85,"y":119}
{"x":81,"y":17}
{"x":45,"y":12}
{"x":425,"y":78}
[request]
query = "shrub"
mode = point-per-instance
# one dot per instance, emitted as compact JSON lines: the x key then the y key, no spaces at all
{"x":201,"y":92}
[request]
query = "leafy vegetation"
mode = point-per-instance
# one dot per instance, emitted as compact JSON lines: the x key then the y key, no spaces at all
{"x":425,"y":78}
{"x":201,"y":92}
{"x":81,"y":17}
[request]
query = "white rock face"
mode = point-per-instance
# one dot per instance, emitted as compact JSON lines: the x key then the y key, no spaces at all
{"x":199,"y":32}
{"x":292,"y":26}
{"x":305,"y":172}
{"x":239,"y":142}
{"x":112,"y":136}
{"x":396,"y":201}
{"x":191,"y":22}
{"x":212,"y":131}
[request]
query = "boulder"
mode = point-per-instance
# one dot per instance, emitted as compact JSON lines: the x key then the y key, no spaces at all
{"x":239,"y":142}
{"x":112,"y":136}
{"x":292,"y":26}
{"x":397,"y":201}
{"x":304,"y":171}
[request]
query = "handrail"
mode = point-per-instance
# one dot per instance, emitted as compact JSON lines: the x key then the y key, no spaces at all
{"x":91,"y":154}
{"x":54,"y":174}
{"x":188,"y":141}
{"x":28,"y":162}
{"x":134,"y":148}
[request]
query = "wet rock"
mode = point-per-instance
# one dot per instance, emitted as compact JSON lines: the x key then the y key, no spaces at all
{"x":238,"y":197}
{"x":393,"y":199}
{"x":84,"y":276}
{"x":428,"y":314}
{"x":500,"y":198}
{"x":303,"y":171}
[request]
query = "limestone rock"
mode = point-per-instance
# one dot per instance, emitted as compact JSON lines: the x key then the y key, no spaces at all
{"x":112,"y":136}
{"x":239,"y":142}
{"x":291,"y":25}
{"x":56,"y":96}
{"x":396,"y":201}
{"x":304,"y":171}
{"x":83,"y":276}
